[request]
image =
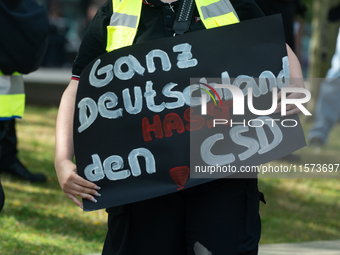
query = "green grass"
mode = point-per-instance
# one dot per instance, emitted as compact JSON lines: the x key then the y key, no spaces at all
{"x":300,"y":210}
{"x":303,"y":209}
{"x":40,"y":219}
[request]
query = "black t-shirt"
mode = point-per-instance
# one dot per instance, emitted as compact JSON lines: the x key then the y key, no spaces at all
{"x":156,"y":22}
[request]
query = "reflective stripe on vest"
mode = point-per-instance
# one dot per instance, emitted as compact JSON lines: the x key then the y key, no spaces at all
{"x":216,"y":13}
{"x":12,"y":96}
{"x":126,"y":15}
{"x":123,"y":24}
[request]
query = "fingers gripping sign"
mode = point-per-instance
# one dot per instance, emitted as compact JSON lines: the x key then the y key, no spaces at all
{"x":75,"y":186}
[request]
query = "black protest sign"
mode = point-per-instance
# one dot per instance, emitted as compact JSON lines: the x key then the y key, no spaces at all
{"x":133,"y":119}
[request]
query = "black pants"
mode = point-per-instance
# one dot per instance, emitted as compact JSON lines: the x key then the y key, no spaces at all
{"x":219,"y":218}
{"x":3,"y":130}
{"x":8,"y":144}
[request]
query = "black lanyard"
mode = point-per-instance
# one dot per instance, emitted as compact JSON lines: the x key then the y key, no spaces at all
{"x":184,"y":15}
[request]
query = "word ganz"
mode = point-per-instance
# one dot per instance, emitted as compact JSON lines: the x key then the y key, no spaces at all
{"x":109,"y":100}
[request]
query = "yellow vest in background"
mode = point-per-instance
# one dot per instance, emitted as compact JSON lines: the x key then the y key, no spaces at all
{"x":12,"y":96}
{"x":126,"y":15}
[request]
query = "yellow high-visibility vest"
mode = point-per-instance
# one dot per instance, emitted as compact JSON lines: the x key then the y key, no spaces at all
{"x":12,"y":96}
{"x":126,"y":15}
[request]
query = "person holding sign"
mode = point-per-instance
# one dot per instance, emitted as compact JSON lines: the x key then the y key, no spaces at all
{"x":218,"y":217}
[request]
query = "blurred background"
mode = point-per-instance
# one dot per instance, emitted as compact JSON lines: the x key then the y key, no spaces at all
{"x":307,"y":20}
{"x":68,"y":22}
{"x":39,"y":219}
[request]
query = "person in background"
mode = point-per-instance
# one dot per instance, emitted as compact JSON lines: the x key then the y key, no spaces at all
{"x":23,"y":42}
{"x":9,"y":161}
{"x":90,"y":13}
{"x":56,"y":54}
{"x":327,"y":110}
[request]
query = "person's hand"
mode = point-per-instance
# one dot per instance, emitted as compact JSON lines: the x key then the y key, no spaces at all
{"x":74,"y":185}
{"x":291,"y":108}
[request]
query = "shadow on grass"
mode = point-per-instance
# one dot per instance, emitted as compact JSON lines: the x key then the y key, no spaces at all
{"x":40,"y":164}
{"x":50,"y":222}
{"x":314,"y":155}
{"x":292,"y":216}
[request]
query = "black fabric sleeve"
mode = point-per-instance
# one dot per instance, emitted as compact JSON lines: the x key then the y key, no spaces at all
{"x":247,"y":9}
{"x":94,"y":42}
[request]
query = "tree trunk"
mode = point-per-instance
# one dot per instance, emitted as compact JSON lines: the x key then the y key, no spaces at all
{"x":322,"y":46}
